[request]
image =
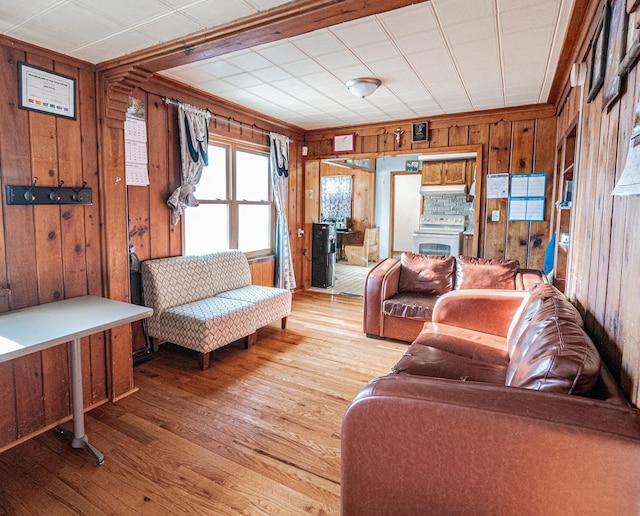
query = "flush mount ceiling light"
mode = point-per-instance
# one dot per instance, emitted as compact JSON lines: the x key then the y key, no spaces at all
{"x":363,"y":86}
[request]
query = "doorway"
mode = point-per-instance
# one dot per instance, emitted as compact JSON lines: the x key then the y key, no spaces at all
{"x":406,"y":207}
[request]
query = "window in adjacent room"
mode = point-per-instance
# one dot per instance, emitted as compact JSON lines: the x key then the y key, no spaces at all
{"x":236,"y":203}
{"x":336,"y":197}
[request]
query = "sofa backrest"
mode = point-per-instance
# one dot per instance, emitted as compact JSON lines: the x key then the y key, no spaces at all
{"x":169,"y":282}
{"x":472,"y":273}
{"x":435,"y":274}
{"x":531,"y":305}
{"x":548,"y":348}
{"x":427,"y":274}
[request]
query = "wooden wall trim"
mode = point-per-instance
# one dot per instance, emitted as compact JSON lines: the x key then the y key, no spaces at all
{"x":288,"y":20}
{"x":439,"y":122}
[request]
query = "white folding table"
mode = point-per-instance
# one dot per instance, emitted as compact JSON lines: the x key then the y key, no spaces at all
{"x":33,"y":329}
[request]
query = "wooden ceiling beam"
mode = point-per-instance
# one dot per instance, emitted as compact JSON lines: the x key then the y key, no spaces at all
{"x":285,"y":21}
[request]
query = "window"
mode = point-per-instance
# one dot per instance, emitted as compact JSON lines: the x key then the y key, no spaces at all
{"x":236,"y":203}
{"x":335,"y":197}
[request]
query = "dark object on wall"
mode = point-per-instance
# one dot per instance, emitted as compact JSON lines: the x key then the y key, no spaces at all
{"x":615,"y":53}
{"x":32,"y":194}
{"x":419,"y":132}
{"x":598,"y":62}
{"x":632,"y":47}
{"x":323,"y":255}
{"x":137,"y":298}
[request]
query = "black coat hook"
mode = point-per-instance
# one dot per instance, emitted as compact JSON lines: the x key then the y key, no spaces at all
{"x":76,"y":193}
{"x":53,"y":195}
{"x":28,"y":195}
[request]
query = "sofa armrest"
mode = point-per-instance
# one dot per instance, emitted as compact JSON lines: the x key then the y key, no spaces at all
{"x":417,"y":445}
{"x":380,"y":284}
{"x":485,"y":310}
{"x":529,"y":278}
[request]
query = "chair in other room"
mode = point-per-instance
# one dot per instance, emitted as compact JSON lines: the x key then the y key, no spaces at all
{"x":369,"y":251}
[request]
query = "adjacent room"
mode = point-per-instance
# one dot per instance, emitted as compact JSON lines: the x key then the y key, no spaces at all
{"x":319,"y":257}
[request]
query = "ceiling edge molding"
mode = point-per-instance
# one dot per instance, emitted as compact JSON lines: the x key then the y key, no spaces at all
{"x":120,"y":82}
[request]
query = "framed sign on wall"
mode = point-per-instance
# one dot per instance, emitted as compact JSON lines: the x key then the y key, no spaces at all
{"x":344,"y":142}
{"x":45,"y":91}
{"x":419,"y":132}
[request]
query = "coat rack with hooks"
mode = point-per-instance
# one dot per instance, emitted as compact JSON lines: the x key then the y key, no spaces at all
{"x":32,"y":194}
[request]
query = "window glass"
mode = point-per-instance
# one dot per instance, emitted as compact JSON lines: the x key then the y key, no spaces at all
{"x":252,"y":176}
{"x":206,"y":229}
{"x":213,"y":183}
{"x":254,"y":227}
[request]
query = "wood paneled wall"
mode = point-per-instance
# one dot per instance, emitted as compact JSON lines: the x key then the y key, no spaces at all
{"x":604,"y":269}
{"x":513,"y":141}
{"x":48,"y":253}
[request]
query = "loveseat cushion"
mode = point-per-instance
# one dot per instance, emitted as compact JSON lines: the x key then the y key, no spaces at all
{"x":554,"y":355}
{"x":206,"y":324}
{"x":423,"y":360}
{"x":474,"y":272}
{"x":270,"y":303}
{"x":411,"y":305}
{"x":426,"y":274}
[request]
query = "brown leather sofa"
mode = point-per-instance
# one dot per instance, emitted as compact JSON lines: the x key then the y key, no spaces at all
{"x":399,"y":295}
{"x":458,"y":427}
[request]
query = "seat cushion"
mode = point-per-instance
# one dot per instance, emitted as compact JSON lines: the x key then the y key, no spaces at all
{"x":426,"y":274}
{"x":428,"y":361}
{"x":464,"y":342}
{"x":270,"y":303}
{"x":206,"y":324}
{"x":411,"y":305}
{"x":474,"y":272}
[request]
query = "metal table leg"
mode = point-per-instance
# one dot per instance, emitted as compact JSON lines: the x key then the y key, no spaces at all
{"x":80,"y":439}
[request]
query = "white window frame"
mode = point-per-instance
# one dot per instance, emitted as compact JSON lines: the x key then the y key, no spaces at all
{"x":231,"y":148}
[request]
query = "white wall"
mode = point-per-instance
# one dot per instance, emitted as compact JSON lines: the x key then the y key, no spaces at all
{"x":384,"y":167}
{"x":406,"y":217}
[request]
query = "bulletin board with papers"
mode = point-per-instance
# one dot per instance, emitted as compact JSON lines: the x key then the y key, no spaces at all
{"x":527,"y":198}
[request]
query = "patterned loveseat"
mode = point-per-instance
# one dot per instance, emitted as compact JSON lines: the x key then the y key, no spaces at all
{"x":205,"y":302}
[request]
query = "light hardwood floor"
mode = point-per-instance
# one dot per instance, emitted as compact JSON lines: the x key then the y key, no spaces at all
{"x":257,"y":433}
{"x":349,"y":280}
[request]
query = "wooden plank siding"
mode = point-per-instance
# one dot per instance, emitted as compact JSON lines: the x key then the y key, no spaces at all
{"x":48,"y":252}
{"x":605,"y":244}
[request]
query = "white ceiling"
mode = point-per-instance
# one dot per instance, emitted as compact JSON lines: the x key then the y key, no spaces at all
{"x":437,"y":57}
